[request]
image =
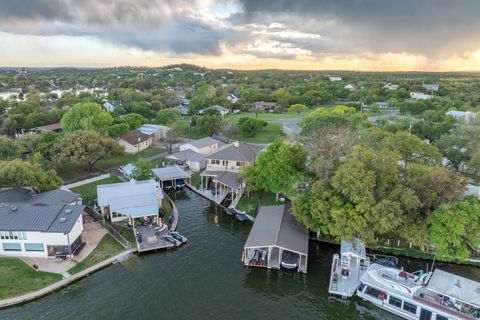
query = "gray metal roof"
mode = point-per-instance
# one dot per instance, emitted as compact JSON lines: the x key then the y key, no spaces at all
{"x":170,"y":173}
{"x":134,"y":198}
{"x":39,"y":217}
{"x":236,"y":152}
{"x":19,"y":194}
{"x":205,"y":142}
{"x":458,"y":287}
{"x":275,"y":227}
{"x":187,"y":155}
{"x":230,"y":179}
{"x":57,"y":196}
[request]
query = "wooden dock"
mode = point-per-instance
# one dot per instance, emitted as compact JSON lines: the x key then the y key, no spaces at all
{"x":160,"y":246}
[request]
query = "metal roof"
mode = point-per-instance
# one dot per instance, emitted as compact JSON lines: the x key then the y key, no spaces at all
{"x":275,"y":227}
{"x":18,"y":194}
{"x":454,"y":286}
{"x":150,"y":129}
{"x":39,"y":217}
{"x":187,"y":155}
{"x":135,"y":198}
{"x":236,"y":152}
{"x":57,"y":196}
{"x":170,"y":173}
{"x":230,"y":179}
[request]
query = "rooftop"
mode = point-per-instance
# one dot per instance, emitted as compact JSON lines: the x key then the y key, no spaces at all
{"x":51,"y":127}
{"x":236,"y":152}
{"x":150,"y":129}
{"x":205,"y":142}
{"x":187,"y":155}
{"x":135,"y":137}
{"x":28,"y":195}
{"x":275,"y":227}
{"x":230,"y":179}
{"x":39,"y":217}
{"x":170,"y":173}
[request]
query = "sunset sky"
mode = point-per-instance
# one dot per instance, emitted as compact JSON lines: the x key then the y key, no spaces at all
{"x":436,"y":35}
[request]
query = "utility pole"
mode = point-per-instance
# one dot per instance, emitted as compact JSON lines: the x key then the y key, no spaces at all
{"x":189,"y":129}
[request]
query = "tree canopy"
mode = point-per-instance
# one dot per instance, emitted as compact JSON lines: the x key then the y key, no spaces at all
{"x":167,"y":116}
{"x":250,"y":126}
{"x":86,"y":116}
{"x":17,"y":173}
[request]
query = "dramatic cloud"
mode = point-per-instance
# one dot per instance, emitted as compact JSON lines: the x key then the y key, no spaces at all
{"x":419,"y":34}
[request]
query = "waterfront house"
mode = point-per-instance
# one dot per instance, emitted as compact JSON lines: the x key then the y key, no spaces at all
{"x":223,"y":166}
{"x":276,"y":240}
{"x":40,"y":224}
{"x":171,"y":176}
{"x":204,"y":146}
{"x":135,"y":141}
{"x":134,"y":199}
{"x":420,"y":96}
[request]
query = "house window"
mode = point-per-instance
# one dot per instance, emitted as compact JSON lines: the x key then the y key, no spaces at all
{"x":395,"y":302}
{"x":439,"y":317}
{"x":425,"y":315}
{"x":12,"y":247}
{"x":13,"y":235}
{"x":34,"y":246}
{"x":117,"y":215}
{"x":239,"y":164}
{"x":410,"y":307}
{"x":215,"y":161}
{"x":224,"y":163}
{"x":375,"y":293}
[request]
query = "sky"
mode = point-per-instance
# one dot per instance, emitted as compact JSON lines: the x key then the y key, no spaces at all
{"x":364,"y":35}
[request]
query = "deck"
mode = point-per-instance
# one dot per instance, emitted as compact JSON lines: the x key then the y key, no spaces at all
{"x":151,"y":239}
{"x":341,"y":285}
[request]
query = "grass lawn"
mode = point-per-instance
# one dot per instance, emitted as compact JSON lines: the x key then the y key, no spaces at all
{"x":183,"y":129}
{"x":89,"y":191}
{"x":266,"y":135}
{"x":250,"y":204}
{"x":72,"y":170}
{"x":266,"y":116}
{"x":127,"y":233}
{"x":107,"y":248}
{"x":17,"y":278}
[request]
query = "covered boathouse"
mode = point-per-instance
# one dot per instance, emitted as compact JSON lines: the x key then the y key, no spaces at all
{"x":276,"y":240}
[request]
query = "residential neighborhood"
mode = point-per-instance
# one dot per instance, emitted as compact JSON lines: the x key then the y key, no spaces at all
{"x":240,"y":159}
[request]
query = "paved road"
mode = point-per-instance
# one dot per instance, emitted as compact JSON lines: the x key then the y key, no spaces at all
{"x":289,"y":126}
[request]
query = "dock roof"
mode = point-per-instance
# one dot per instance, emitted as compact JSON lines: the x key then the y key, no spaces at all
{"x":275,"y":227}
{"x":170,"y":173}
{"x":452,"y":285}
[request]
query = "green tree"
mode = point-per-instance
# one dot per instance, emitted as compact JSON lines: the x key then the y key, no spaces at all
{"x":27,"y":143}
{"x":8,"y":149}
{"x":167,"y":116}
{"x":45,"y":142}
{"x":118,"y":129}
{"x":297,"y":108}
{"x":86,"y":116}
{"x":453,"y":148}
{"x":210,"y":124}
{"x":17,"y":173}
{"x":85,"y":148}
{"x":411,"y":148}
{"x":365,"y":198}
{"x":280,"y":168}
{"x":171,"y":137}
{"x":454,"y":227}
{"x":134,"y":120}
{"x":142,"y":170}
{"x":250,"y":126}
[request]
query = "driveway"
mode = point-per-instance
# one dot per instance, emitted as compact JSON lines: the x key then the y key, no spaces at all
{"x":289,"y":126}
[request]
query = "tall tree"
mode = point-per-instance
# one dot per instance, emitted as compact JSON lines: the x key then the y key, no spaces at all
{"x":85,"y":148}
{"x":134,"y":120}
{"x":167,"y":116}
{"x":297,"y":108}
{"x":86,"y":116}
{"x":17,"y":173}
{"x":142,"y":170}
{"x":210,"y":124}
{"x":454,"y":227}
{"x":250,"y":126}
{"x":8,"y":149}
{"x":280,"y":168}
{"x":411,"y":148}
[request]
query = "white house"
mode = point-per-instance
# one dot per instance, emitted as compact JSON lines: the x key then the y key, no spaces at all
{"x":390,"y":86}
{"x":222,"y":110}
{"x":110,"y":106}
{"x":334,"y":78}
{"x":135,"y":199}
{"x":465,"y":116}
{"x":155,"y":130}
{"x":420,"y":96}
{"x":351,"y":87}
{"x":232,"y":157}
{"x":135,"y":141}
{"x":39,"y":225}
{"x":204,"y":146}
{"x":431,"y":86}
{"x":233,"y":98}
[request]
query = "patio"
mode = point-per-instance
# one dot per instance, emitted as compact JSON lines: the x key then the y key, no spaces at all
{"x":152,"y":238}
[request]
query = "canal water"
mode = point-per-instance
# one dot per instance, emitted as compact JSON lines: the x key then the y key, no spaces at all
{"x":205,"y":279}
